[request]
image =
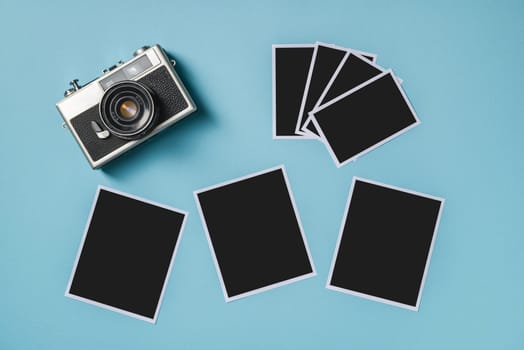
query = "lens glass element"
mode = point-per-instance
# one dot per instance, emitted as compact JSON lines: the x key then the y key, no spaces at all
{"x":128,"y":109}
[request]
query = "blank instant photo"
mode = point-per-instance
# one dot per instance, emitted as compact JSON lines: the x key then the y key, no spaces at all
{"x":290,"y":71}
{"x":254,"y":233}
{"x":352,"y":71}
{"x":385,"y":243}
{"x":364,"y":118}
{"x":126,"y":254}
{"x":326,"y":59}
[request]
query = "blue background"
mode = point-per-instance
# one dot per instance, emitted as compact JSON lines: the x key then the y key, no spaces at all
{"x":462,"y":68}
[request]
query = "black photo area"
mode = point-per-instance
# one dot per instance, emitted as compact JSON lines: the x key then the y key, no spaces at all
{"x":254,"y":232}
{"x":126,"y":254}
{"x":365,"y":117}
{"x":385,"y":243}
{"x":291,"y":71}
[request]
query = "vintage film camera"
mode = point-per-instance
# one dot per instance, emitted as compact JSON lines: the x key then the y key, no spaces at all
{"x":128,"y":104}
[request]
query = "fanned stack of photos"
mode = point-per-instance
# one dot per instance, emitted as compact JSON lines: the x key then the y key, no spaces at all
{"x":339,"y":96}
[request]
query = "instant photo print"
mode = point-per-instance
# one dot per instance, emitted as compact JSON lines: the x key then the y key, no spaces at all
{"x":254,"y":233}
{"x":290,"y":71}
{"x":385,"y":243}
{"x":126,"y":254}
{"x":364,"y":118}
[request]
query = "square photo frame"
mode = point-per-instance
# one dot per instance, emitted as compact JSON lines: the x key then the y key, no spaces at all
{"x":254,"y":233}
{"x":385,"y":243}
{"x":126,"y":254}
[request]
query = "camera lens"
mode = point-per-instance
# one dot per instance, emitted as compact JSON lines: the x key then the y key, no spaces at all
{"x":128,"y":110}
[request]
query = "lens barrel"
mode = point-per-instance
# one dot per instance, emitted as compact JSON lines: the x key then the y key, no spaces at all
{"x":127,"y":110}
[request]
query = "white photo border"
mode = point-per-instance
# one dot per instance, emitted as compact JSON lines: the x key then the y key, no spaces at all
{"x":298,"y":126}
